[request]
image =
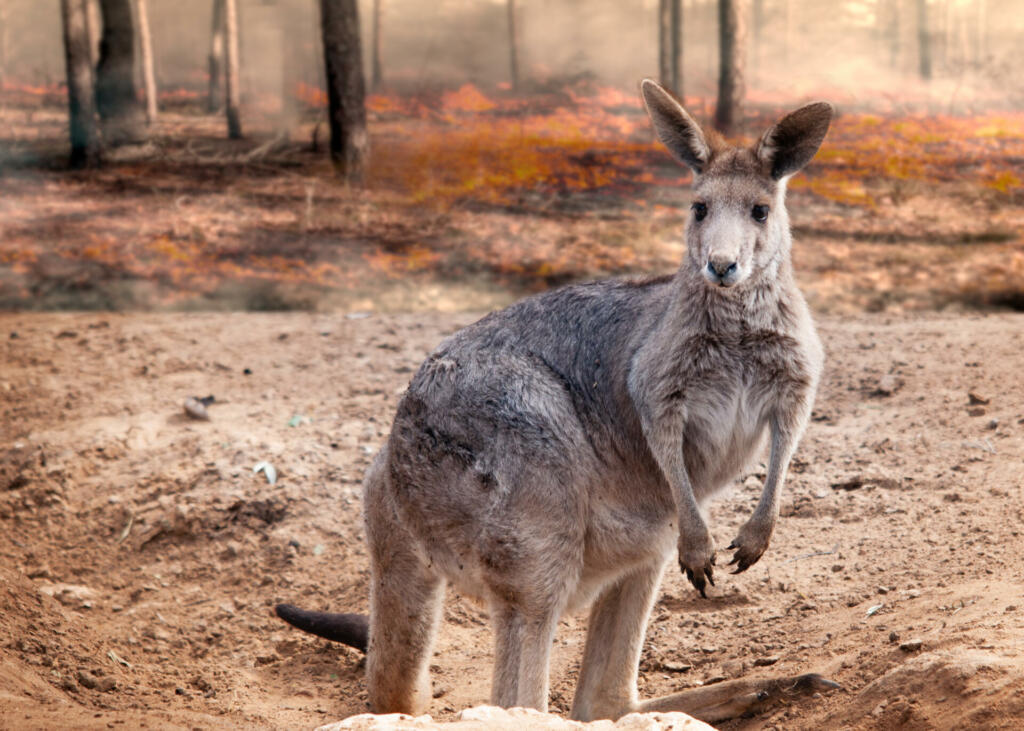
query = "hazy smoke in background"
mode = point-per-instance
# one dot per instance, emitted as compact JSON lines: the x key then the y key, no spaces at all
{"x":861,"y":51}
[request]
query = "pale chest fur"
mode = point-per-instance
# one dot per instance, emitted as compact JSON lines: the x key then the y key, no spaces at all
{"x":734,"y":385}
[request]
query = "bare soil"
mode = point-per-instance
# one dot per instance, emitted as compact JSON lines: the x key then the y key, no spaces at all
{"x":142,"y":555}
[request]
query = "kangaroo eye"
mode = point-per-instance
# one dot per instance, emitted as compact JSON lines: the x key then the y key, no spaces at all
{"x":760,"y":213}
{"x":700,"y":210}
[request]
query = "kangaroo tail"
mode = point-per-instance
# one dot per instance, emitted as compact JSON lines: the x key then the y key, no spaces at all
{"x":349,"y":629}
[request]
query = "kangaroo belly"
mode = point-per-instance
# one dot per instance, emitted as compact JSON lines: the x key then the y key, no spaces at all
{"x":725,"y":430}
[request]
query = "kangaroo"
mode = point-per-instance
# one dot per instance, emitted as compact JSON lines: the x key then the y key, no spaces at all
{"x":555,"y":454}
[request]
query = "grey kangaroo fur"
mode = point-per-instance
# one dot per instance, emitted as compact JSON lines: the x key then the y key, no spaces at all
{"x":556,"y":454}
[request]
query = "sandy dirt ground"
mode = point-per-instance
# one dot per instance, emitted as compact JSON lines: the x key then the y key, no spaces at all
{"x":141,"y":555}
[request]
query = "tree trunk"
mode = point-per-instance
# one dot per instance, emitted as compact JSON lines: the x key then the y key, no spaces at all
{"x":85,"y":143}
{"x":924,"y":41}
{"x":146,"y":51}
{"x":513,"y":44}
{"x":757,"y":33}
{"x":93,"y":23}
{"x":676,"y":33}
{"x":116,"y":100}
{"x":981,"y":33}
{"x":670,"y":45}
{"x":895,"y":35}
{"x":3,"y":47}
{"x":375,"y":68}
{"x":215,"y":59}
{"x":730,"y":65}
{"x":787,"y":32}
{"x":234,"y":94}
{"x":346,"y":92}
{"x":665,"y":43}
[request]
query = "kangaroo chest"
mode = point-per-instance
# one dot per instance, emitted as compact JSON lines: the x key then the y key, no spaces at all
{"x":730,"y":391}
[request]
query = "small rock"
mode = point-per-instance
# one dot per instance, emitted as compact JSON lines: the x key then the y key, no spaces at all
{"x":911,"y":645}
{"x":992,"y":424}
{"x":86,"y":680}
{"x":762,"y":662}
{"x":837,"y":567}
{"x":975,"y":399}
{"x":180,"y":691}
{"x":894,"y":637}
{"x":976,"y":411}
{"x":887,"y":385}
{"x":883,"y":590}
{"x":673,"y":666}
{"x":106,"y":684}
{"x":441,"y":691}
{"x":68,"y":684}
{"x":195,"y":409}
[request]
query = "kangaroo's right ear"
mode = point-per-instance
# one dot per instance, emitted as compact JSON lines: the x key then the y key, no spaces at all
{"x":675,"y":128}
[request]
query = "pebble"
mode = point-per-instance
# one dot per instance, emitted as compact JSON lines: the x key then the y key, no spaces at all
{"x":911,"y":645}
{"x":86,"y":680}
{"x":195,"y":409}
{"x":762,"y":662}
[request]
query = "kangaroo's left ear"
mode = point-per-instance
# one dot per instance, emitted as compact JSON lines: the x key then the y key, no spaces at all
{"x":792,"y":141}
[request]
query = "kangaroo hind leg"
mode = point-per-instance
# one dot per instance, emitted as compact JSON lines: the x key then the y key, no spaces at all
{"x":405,"y":610}
{"x":607,"y":687}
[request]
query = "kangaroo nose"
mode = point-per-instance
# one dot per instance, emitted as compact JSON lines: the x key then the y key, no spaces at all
{"x":721,"y":269}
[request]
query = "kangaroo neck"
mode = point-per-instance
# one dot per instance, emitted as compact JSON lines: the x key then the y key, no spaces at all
{"x":765,"y":303}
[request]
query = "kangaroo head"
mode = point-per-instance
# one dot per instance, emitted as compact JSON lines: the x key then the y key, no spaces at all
{"x":738,"y":230}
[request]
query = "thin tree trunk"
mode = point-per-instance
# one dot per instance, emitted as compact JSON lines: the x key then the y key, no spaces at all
{"x":665,"y":43}
{"x":93,"y":23}
{"x":215,"y":59}
{"x":730,"y":65}
{"x":981,"y":33}
{"x":787,"y":33}
{"x":234,"y":95}
{"x":895,"y":35}
{"x":116,"y":99}
{"x":676,"y":34}
{"x":513,"y":44}
{"x":375,"y":68}
{"x":757,"y":33}
{"x":146,"y":51}
{"x":3,"y":46}
{"x":85,"y":142}
{"x":346,"y":88}
{"x":924,"y":41}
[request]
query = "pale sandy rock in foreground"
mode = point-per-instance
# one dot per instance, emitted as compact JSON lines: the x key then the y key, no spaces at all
{"x":491,"y":717}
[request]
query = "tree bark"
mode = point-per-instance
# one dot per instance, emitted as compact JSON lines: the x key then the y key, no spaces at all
{"x":676,"y":32}
{"x":670,"y":45}
{"x":3,"y":46}
{"x":146,"y":52}
{"x":346,"y":89}
{"x":757,"y":45}
{"x":513,"y":44}
{"x":93,"y":23}
{"x":376,"y":75}
{"x":215,"y":59}
{"x":924,"y":41}
{"x":85,"y":142}
{"x":234,"y":94}
{"x":895,"y":35}
{"x":120,"y":112}
{"x":981,"y":33}
{"x":730,"y":65}
{"x":665,"y":43}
